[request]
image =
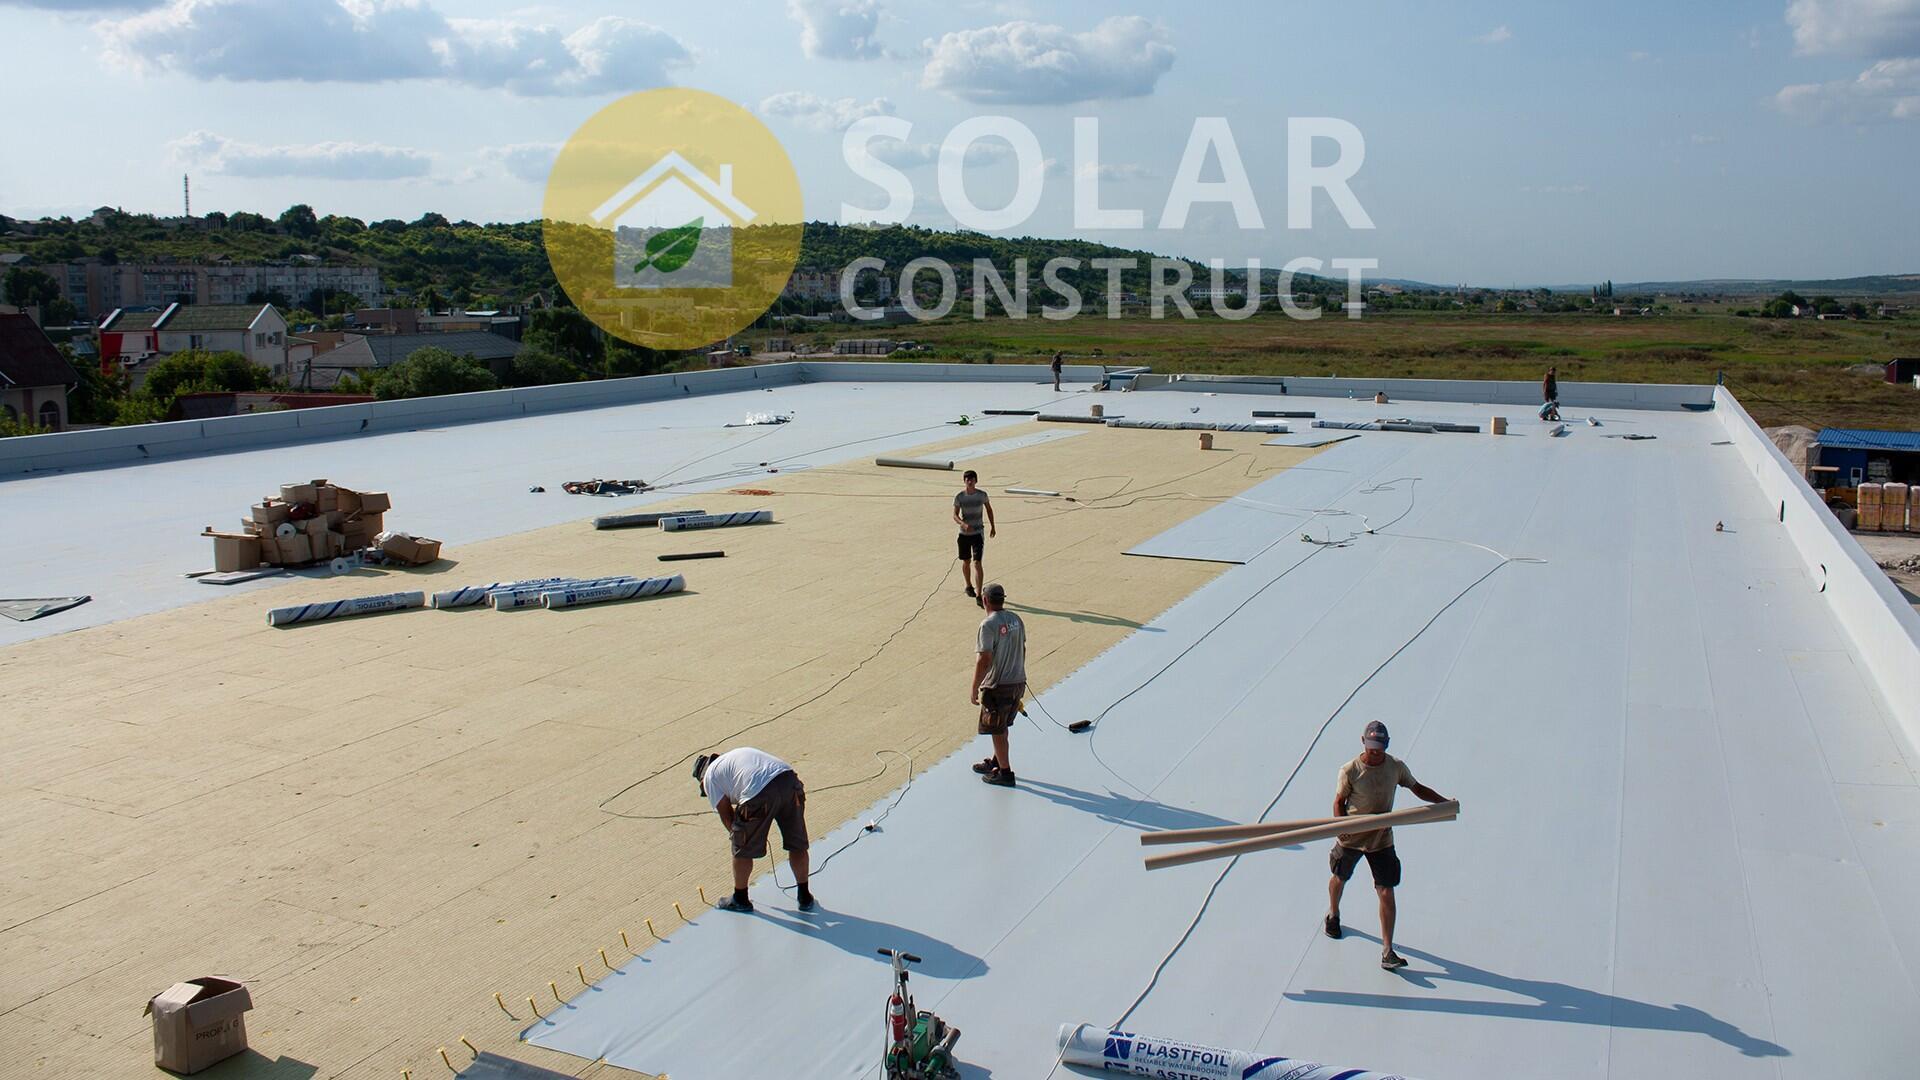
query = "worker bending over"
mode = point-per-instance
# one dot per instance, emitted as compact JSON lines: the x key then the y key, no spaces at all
{"x":1367,"y":786}
{"x":750,"y":790}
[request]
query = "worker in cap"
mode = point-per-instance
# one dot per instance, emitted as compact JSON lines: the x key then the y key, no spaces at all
{"x":999,"y":679}
{"x":751,"y":790}
{"x":1366,"y":785}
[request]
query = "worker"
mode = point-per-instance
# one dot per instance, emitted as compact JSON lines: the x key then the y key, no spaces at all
{"x":1058,"y":358}
{"x":999,"y":680}
{"x":1550,"y":394}
{"x":751,"y":790}
{"x":1366,"y":786}
{"x":973,"y":512}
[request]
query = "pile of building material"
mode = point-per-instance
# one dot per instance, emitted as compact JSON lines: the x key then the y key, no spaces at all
{"x":317,"y":522}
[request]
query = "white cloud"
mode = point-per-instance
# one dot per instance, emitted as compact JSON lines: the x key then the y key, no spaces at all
{"x":837,"y":29}
{"x":389,"y":40}
{"x":1889,"y":90}
{"x":1026,"y":63}
{"x":1876,"y":28}
{"x":313,"y":161}
{"x":83,"y":5}
{"x":1496,"y":36}
{"x":524,"y":161}
{"x":823,"y":114}
{"x":1116,"y":171}
{"x":1639,"y":56}
{"x":905,"y":155}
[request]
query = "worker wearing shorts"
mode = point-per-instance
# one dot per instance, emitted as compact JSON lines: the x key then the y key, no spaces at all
{"x":999,"y":680}
{"x":1366,"y":785}
{"x":752,"y":791}
{"x":973,"y":512}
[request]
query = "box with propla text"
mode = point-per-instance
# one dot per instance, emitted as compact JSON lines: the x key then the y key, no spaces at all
{"x":199,"y":1022}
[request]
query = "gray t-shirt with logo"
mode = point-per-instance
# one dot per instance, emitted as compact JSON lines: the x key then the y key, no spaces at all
{"x":1004,"y":636}
{"x":973,"y":510}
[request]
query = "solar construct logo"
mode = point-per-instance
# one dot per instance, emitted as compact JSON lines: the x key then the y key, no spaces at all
{"x":672,"y":218}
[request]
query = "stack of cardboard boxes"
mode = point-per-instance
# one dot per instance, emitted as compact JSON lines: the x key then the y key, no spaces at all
{"x":314,"y":522}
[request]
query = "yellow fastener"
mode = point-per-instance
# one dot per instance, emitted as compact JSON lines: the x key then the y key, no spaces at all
{"x":703,"y":893}
{"x":677,"y":911}
{"x":651,"y":930}
{"x":582,"y":972}
{"x":625,"y":942}
{"x":604,"y":960}
{"x":470,"y":1046}
{"x":556,"y":991}
{"x":448,"y":1060}
{"x":535,"y":1008}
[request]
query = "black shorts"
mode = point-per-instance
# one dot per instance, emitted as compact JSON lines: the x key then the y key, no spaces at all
{"x":976,"y":543}
{"x":1384,"y":864}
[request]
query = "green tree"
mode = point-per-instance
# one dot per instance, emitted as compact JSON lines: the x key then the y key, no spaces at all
{"x":537,"y":367}
{"x":11,"y":426}
{"x":30,"y":288}
{"x":433,"y":371}
{"x":275,"y":297}
{"x":197,"y":370}
{"x":96,"y":399}
{"x":328,"y":299}
{"x":568,"y":333}
{"x":299,"y":220}
{"x":624,"y":359}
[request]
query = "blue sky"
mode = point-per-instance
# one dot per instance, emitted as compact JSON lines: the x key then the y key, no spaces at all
{"x":1505,"y":143}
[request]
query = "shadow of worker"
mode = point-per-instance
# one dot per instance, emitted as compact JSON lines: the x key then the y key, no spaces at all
{"x":1555,"y":1002}
{"x":1133,"y":811}
{"x":865,"y":937}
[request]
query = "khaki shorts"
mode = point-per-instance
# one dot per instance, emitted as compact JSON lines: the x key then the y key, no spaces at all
{"x":998,"y":706}
{"x":783,"y":800}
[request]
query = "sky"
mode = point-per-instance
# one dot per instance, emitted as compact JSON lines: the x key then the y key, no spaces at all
{"x":1504,"y":143}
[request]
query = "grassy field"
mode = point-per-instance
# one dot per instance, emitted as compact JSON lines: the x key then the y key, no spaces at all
{"x":1786,"y":371}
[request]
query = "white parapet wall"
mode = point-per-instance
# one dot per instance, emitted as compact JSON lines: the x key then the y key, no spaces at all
{"x":1584,"y":395}
{"x":1879,"y":621}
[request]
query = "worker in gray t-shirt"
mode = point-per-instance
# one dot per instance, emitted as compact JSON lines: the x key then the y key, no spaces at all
{"x":973,"y":512}
{"x":999,"y":680}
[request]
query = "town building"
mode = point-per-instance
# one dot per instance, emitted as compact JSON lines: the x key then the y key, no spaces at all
{"x":34,"y":377}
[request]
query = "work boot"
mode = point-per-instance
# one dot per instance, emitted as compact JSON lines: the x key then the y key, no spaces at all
{"x":969,"y":590}
{"x":987,"y":766}
{"x":805,"y":899}
{"x":1332,"y":926}
{"x":736,"y":902}
{"x":1392,"y":961}
{"x":999,"y":778}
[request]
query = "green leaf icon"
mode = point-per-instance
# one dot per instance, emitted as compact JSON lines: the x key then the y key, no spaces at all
{"x":669,"y":249}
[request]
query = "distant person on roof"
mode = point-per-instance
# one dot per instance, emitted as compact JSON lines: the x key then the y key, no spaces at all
{"x":1058,"y":358}
{"x":1366,"y":786}
{"x":1550,"y":393}
{"x":751,"y":790}
{"x":973,"y":512}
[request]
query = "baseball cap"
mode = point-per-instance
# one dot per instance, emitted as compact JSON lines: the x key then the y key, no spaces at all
{"x":995,"y":592}
{"x":700,"y":770}
{"x":1375,"y":737}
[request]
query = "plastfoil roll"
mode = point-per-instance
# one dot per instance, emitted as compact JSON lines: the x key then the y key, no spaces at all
{"x":336,"y":609}
{"x":912,"y":463}
{"x":715,"y":521}
{"x":526,"y":596}
{"x":646,"y":519}
{"x":624,"y":590}
{"x":477,"y":594}
{"x":1144,"y":1055}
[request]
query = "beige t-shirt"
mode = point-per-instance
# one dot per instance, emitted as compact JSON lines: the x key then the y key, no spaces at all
{"x":1365,"y":789}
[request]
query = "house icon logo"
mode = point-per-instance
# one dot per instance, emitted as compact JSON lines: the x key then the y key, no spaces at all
{"x":673,"y":227}
{"x":673,"y":219}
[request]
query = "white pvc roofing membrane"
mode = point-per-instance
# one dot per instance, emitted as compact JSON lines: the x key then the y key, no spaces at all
{"x":1689,"y":832}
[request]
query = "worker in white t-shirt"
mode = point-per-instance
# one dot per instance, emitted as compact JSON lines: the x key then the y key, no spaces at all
{"x":751,"y":790}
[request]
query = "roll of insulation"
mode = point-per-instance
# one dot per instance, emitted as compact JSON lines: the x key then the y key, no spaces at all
{"x":716,"y":521}
{"x":1052,"y":418}
{"x":1144,"y":1055}
{"x":644,"y":520}
{"x":599,"y":594}
{"x":473,"y":595}
{"x":1202,"y":425}
{"x":1282,"y":414}
{"x":285,"y":529}
{"x":337,"y":609}
{"x":912,"y":463}
{"x":515,"y":597}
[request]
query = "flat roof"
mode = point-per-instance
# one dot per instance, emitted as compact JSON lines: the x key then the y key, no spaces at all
{"x":1690,"y":820}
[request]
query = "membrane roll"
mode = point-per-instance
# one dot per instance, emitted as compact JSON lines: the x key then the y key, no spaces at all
{"x":338,"y":609}
{"x":1128,"y":1054}
{"x":575,"y":596}
{"x":715,"y":521}
{"x":525,"y":596}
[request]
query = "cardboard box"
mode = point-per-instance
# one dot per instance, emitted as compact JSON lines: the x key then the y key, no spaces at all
{"x":375,"y":502}
{"x":315,"y":528}
{"x":295,"y":549}
{"x":328,"y":500}
{"x":412,"y":550}
{"x":336,"y":544}
{"x":361,"y":530}
{"x":346,"y":500}
{"x":198,"y":1023}
{"x":336,"y":520}
{"x":272,"y":512}
{"x":234,"y":551}
{"x":299,"y":493}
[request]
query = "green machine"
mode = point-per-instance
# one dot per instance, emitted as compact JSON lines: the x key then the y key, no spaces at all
{"x":919,"y":1044}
